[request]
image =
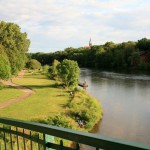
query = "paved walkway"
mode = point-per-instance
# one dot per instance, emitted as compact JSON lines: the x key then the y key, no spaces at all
{"x":27,"y":92}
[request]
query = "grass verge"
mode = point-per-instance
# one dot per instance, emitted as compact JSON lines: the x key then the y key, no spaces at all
{"x":52,"y":104}
{"x":8,"y":92}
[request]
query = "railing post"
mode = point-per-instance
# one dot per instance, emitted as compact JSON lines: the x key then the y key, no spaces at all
{"x":24,"y":142}
{"x":38,"y":142}
{"x":77,"y":146}
{"x":31,"y":146}
{"x":17,"y":139}
{"x":4,"y":137}
{"x":44,"y":139}
{"x":11,"y":144}
{"x":61,"y":145}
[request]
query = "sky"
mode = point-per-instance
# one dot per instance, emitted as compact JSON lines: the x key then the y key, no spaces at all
{"x":53,"y":25}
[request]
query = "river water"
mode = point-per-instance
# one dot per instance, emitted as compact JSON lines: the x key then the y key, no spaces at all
{"x":125,"y":100}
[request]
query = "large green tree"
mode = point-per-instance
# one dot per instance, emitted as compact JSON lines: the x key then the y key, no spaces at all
{"x":5,"y":70}
{"x":69,"y":72}
{"x":16,"y":44}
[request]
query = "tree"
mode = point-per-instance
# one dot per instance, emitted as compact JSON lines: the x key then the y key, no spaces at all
{"x":46,"y":68}
{"x":5,"y":70}
{"x":69,"y":72}
{"x":15,"y":43}
{"x":108,"y":46}
{"x":144,"y":44}
{"x":53,"y":71}
{"x":33,"y":64}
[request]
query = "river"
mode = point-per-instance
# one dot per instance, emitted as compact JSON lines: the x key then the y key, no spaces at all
{"x":125,"y":100}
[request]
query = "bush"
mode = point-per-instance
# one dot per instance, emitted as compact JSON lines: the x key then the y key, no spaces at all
{"x":61,"y":120}
{"x":1,"y":86}
{"x":33,"y":64}
{"x":45,"y":68}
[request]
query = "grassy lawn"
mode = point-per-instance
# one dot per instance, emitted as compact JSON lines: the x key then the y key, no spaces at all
{"x":54,"y":105}
{"x":47,"y":100}
{"x":8,"y":93}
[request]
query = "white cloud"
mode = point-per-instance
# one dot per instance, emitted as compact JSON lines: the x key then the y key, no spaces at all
{"x":57,"y":24}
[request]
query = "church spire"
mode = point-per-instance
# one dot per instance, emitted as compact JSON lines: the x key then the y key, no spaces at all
{"x":90,"y":42}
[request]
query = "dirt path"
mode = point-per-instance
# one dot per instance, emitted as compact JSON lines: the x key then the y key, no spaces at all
{"x":27,"y":92}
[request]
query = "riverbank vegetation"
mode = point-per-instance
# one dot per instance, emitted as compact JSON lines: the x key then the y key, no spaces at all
{"x":58,"y":107}
{"x":126,"y":55}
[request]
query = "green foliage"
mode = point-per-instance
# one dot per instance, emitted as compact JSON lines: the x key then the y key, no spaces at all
{"x":1,"y":86}
{"x":53,"y":71}
{"x":81,"y":105}
{"x":45,"y":68}
{"x":16,"y":45}
{"x":69,"y":72}
{"x":5,"y":70}
{"x":126,"y":55}
{"x":33,"y":64}
{"x":39,"y":109}
{"x":61,"y":120}
{"x":144,"y":44}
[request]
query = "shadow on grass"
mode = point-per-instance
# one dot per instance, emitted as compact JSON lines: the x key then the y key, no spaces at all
{"x":37,"y":86}
{"x":63,"y":105}
{"x":32,"y":86}
{"x":32,"y":76}
{"x":8,"y":87}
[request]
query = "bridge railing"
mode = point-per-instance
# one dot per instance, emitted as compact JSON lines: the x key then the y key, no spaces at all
{"x":25,"y":135}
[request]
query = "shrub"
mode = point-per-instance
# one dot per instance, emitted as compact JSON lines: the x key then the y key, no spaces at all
{"x":33,"y":64}
{"x":45,"y":68}
{"x":81,"y":107}
{"x":1,"y":86}
{"x":61,"y":120}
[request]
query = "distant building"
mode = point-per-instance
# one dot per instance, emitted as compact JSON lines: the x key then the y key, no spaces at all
{"x":90,"y":44}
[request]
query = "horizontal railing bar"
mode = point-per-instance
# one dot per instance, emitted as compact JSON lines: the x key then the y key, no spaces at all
{"x":55,"y":146}
{"x":79,"y":137}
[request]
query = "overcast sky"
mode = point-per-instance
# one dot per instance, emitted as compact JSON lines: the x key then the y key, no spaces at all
{"x":53,"y":25}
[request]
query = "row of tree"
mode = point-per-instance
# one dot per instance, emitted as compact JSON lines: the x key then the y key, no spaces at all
{"x":135,"y":55}
{"x":13,"y":47}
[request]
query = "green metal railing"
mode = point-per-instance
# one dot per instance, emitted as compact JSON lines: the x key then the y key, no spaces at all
{"x":24,"y":135}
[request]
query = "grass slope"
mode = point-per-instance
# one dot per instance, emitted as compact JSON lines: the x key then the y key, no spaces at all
{"x":47,"y":101}
{"x":54,"y":105}
{"x":8,"y":93}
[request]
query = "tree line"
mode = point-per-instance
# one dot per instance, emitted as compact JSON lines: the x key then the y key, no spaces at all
{"x":133,"y":55}
{"x":13,"y":47}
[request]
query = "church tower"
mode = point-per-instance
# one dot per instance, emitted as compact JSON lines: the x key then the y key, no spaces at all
{"x":90,"y":43}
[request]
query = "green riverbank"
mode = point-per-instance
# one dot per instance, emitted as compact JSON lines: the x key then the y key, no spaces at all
{"x":52,"y":104}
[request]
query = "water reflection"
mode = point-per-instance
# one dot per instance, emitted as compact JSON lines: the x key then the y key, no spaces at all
{"x":125,"y":99}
